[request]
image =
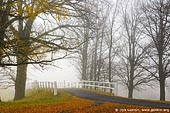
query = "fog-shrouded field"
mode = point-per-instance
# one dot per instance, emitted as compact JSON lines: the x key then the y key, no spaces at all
{"x":67,"y":72}
{"x":6,"y":94}
{"x":150,"y":94}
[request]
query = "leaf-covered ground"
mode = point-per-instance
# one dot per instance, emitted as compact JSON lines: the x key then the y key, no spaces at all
{"x":44,"y":102}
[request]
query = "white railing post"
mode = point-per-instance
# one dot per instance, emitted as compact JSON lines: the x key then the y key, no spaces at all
{"x":80,"y":85}
{"x":105,"y":86}
{"x":48,"y":85}
{"x":98,"y":84}
{"x":64,"y":84}
{"x":52,"y":87}
{"x":55,"y":88}
{"x":35,"y":84}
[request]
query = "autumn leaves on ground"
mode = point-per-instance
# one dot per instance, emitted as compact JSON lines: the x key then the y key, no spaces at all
{"x":44,"y":102}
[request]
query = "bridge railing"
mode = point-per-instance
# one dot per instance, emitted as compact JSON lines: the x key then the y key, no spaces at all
{"x":97,"y":85}
{"x":111,"y":86}
{"x":64,"y":84}
{"x":49,"y":86}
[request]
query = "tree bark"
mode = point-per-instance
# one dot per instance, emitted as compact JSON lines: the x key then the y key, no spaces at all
{"x":130,"y":93}
{"x":22,"y":56}
{"x":100,"y":57}
{"x":95,"y":57}
{"x":132,"y":65}
{"x":84,"y":61}
{"x":3,"y":20}
{"x":157,"y":14}
{"x":20,"y":81}
{"x":162,"y":89}
{"x":131,"y":85}
{"x":92,"y":69}
{"x":84,"y":55}
{"x":162,"y":77}
{"x":110,"y":62}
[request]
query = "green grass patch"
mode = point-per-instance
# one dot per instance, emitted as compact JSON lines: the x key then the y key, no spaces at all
{"x":43,"y":101}
{"x":34,"y":97}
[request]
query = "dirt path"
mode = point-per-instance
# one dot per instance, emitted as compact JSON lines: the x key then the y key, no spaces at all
{"x":99,"y":98}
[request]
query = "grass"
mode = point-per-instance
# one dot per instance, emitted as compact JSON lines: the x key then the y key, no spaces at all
{"x":44,"y":96}
{"x":41,"y":101}
{"x":37,"y":101}
{"x":39,"y":96}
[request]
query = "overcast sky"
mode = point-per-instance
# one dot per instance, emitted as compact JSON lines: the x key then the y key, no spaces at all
{"x":66,"y":71}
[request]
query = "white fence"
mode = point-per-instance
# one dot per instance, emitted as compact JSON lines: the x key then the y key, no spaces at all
{"x":102,"y":86}
{"x":52,"y":86}
{"x":69,"y":85}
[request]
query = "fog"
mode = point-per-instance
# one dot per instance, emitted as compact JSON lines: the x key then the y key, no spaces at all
{"x":67,"y":72}
{"x":147,"y":93}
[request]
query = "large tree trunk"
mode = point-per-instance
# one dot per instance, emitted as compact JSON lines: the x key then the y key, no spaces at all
{"x":132,"y":66}
{"x":100,"y":58}
{"x":92,"y":69}
{"x":130,"y":93}
{"x":3,"y":20}
{"x":162,"y":79}
{"x":22,"y":57}
{"x":162,"y":89}
{"x":131,"y":80}
{"x":110,"y":62}
{"x":95,"y":57}
{"x":20,"y":80}
{"x":1,"y":44}
{"x":84,"y":57}
{"x":130,"y":87}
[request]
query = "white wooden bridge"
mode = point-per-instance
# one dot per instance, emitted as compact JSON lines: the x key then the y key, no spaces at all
{"x":97,"y":85}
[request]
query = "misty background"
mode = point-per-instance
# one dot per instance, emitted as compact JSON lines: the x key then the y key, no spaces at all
{"x":127,"y":41}
{"x":67,"y":72}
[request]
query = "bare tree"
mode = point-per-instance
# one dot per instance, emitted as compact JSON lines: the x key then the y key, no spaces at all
{"x":86,"y":42}
{"x":7,"y":77}
{"x":85,"y":34}
{"x":90,"y":34}
{"x":97,"y":48}
{"x":133,"y":56}
{"x":112,"y":31}
{"x":156,"y":23}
